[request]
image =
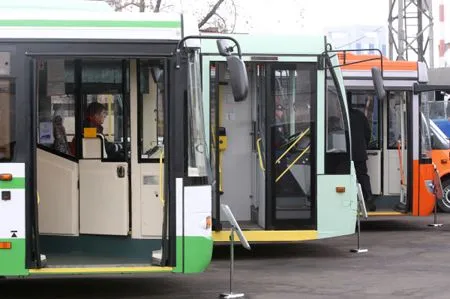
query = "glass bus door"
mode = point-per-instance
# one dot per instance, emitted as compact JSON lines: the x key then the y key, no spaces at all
{"x":290,"y":176}
{"x":104,"y":166}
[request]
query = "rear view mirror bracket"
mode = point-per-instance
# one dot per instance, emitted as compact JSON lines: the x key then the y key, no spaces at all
{"x":236,"y":66}
{"x":223,"y":49}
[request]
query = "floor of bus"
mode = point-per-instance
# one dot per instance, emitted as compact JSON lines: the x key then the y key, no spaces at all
{"x":245,"y":225}
{"x":386,"y":205}
{"x":93,"y":251}
{"x":89,"y":261}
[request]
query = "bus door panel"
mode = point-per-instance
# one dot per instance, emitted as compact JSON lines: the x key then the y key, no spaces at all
{"x":289,"y":135}
{"x":395,"y":161}
{"x":57,"y":181}
{"x":56,"y":160}
{"x":374,"y":170}
{"x":104,"y":192}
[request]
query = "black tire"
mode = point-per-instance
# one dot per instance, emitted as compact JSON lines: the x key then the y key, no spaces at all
{"x":444,"y":204}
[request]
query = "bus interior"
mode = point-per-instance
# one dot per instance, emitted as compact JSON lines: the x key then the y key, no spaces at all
{"x":85,"y":189}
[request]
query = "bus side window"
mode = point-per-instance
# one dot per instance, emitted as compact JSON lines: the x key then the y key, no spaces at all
{"x":151,"y":110}
{"x":335,"y":121}
{"x":56,"y":112}
{"x":337,"y":156}
{"x":7,"y":136}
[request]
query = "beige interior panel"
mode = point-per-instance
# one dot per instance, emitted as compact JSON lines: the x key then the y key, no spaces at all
{"x":374,"y":170}
{"x":151,"y":200}
{"x":104,"y":206}
{"x":392,"y":175}
{"x":57,"y":180}
{"x":92,"y":148}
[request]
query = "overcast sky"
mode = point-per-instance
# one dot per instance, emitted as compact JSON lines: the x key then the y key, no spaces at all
{"x":285,"y":15}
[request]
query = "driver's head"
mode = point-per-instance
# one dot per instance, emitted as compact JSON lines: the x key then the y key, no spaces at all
{"x":96,"y":113}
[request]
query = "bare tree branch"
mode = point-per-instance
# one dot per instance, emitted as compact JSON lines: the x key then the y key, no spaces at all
{"x":220,"y":17}
{"x":120,"y":7}
{"x":235,"y":16}
{"x":211,"y":13}
{"x":157,"y":6}
{"x":165,"y":7}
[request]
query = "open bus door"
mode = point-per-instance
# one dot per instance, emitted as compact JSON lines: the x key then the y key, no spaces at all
{"x":187,"y":171}
{"x":398,"y":157}
{"x":420,"y":195}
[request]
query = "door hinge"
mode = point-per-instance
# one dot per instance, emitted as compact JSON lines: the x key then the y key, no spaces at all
{"x":78,"y":184}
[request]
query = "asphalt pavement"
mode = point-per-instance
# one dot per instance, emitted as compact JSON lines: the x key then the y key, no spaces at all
{"x":405,"y":259}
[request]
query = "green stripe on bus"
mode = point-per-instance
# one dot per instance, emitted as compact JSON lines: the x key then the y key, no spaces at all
{"x":16,"y":183}
{"x":197,"y":254}
{"x":90,"y":23}
{"x":12,"y":261}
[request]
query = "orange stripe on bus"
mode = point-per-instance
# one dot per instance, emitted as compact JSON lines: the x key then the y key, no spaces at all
{"x":415,"y":188}
{"x":425,"y":198}
{"x":388,"y":65}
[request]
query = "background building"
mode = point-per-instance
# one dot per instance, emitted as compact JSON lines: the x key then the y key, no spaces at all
{"x":359,"y":37}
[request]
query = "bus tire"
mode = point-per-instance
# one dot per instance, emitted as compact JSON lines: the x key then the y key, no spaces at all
{"x":444,"y":204}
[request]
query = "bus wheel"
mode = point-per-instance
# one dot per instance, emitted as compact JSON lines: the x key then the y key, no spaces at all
{"x":444,"y":204}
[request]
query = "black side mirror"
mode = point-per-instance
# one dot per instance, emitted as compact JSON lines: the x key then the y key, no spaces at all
{"x":222,"y":47}
{"x":378,"y":83}
{"x":238,"y":78}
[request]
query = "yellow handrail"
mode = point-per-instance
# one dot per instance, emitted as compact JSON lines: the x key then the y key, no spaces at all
{"x":292,"y":145}
{"x":161,"y":178}
{"x":261,"y":164}
{"x":220,"y":172}
{"x":290,"y":166}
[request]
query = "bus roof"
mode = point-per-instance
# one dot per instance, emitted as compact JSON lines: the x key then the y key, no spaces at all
{"x":271,"y":45}
{"x":86,"y":20}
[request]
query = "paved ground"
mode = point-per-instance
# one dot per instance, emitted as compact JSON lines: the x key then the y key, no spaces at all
{"x":406,"y":259}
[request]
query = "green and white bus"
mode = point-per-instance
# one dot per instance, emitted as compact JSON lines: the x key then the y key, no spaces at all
{"x":68,"y":206}
{"x":281,"y":166}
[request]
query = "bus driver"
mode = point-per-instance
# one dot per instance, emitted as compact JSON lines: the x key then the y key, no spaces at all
{"x":95,"y":117}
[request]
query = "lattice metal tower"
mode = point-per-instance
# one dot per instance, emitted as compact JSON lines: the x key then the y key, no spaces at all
{"x":411,"y":30}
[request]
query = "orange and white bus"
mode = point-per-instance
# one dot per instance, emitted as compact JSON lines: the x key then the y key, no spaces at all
{"x":400,"y":162}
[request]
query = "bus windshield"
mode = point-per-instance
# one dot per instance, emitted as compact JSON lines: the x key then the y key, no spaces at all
{"x":198,"y":162}
{"x":438,"y":123}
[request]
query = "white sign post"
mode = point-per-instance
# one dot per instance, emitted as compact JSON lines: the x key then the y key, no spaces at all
{"x":234,"y":228}
{"x":361,"y":210}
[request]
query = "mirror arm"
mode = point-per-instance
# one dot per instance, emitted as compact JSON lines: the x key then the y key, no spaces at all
{"x":178,"y":48}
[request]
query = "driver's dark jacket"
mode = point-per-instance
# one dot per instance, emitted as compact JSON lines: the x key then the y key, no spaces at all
{"x":360,"y":130}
